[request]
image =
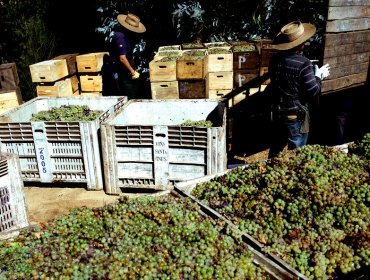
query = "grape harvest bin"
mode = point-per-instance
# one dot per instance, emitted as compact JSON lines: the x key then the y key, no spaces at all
{"x":57,"y":151}
{"x":144,"y":145}
{"x":13,"y":213}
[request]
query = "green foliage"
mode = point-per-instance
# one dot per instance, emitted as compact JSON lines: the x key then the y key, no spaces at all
{"x":67,"y":113}
{"x":25,"y":38}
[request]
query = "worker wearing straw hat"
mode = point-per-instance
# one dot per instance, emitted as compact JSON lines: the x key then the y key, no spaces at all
{"x":121,"y":54}
{"x":294,"y":81}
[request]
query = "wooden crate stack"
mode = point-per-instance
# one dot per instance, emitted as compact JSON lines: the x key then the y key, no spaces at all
{"x":10,"y":94}
{"x":190,"y":73}
{"x":89,"y":70}
{"x":162,"y":71}
{"x":209,"y":70}
{"x":266,"y":51}
{"x":56,"y":77}
{"x":219,"y":69}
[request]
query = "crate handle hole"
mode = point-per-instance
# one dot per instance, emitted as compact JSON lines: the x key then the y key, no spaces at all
{"x":42,"y":78}
{"x":164,"y":85}
{"x":39,"y":131}
{"x":190,"y":63}
{"x":160,"y":135}
{"x":220,"y":58}
{"x":161,"y":66}
{"x":88,"y":67}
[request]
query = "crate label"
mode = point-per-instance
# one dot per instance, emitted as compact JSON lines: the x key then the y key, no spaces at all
{"x":161,"y":155}
{"x":42,"y":151}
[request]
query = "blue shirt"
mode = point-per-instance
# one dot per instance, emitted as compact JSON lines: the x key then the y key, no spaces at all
{"x":120,"y":46}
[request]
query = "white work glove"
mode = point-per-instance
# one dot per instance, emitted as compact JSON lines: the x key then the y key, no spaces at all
{"x":322,"y":72}
{"x":136,"y":75}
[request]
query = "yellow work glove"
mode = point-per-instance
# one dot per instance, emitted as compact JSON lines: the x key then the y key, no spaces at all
{"x":136,"y":75}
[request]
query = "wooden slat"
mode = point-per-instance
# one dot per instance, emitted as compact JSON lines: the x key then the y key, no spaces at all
{"x":343,"y":82}
{"x":340,"y":3}
{"x":346,"y":12}
{"x":346,"y":38}
{"x":347,"y":59}
{"x":346,"y":49}
{"x":345,"y":25}
{"x":347,"y":70}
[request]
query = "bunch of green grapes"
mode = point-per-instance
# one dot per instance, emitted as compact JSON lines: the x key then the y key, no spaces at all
{"x":200,"y":123}
{"x":361,"y":147}
{"x":304,"y":205}
{"x":142,"y":238}
{"x":67,"y":113}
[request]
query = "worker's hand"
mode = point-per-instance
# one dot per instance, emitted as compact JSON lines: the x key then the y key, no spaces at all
{"x":136,"y":75}
{"x":322,"y":72}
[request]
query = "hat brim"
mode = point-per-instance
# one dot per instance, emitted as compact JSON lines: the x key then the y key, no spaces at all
{"x":309,"y":31}
{"x":138,"y":29}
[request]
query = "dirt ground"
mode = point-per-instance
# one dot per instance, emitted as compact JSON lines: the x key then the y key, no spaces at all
{"x":48,"y":202}
{"x":45,"y":204}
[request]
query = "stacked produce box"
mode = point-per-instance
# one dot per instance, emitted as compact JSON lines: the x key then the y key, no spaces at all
{"x":266,"y":50}
{"x":191,"y":71}
{"x":10,"y":95}
{"x":89,"y":69}
{"x":162,"y":70}
{"x":208,"y":70}
{"x":55,"y":77}
{"x":219,"y":69}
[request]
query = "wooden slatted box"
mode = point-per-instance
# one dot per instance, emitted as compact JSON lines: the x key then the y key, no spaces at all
{"x":91,"y":83}
{"x":192,"y":89}
{"x":346,"y":44}
{"x":219,"y":60}
{"x":10,"y":100}
{"x":9,"y":79}
{"x":191,"y":65}
{"x":245,"y":56}
{"x":49,"y":70}
{"x":90,"y":62}
{"x":60,"y":88}
{"x":165,"y":90}
{"x":163,"y":69}
{"x":243,"y":76}
{"x":70,"y":61}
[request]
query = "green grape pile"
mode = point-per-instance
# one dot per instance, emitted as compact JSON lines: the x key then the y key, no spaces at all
{"x":218,"y":51}
{"x":309,"y":206}
{"x":192,"y":46}
{"x":67,"y":113}
{"x":361,"y":147}
{"x":200,"y":123}
{"x":244,"y":48}
{"x":140,"y":238}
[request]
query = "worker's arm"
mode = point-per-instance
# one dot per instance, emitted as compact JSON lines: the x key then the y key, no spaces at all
{"x":127,"y":64}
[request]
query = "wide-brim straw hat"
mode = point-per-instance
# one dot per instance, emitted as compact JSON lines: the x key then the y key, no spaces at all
{"x":131,"y":22}
{"x":293,"y":34}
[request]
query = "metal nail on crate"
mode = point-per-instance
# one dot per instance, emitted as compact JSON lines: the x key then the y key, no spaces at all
{"x":57,"y":151}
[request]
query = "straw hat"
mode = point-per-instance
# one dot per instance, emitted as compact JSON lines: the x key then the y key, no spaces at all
{"x":131,"y":22}
{"x":293,"y":34}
